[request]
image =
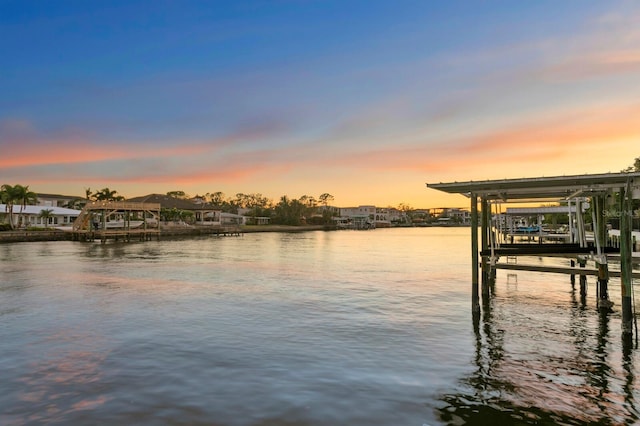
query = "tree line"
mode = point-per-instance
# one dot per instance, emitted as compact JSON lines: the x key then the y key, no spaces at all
{"x":287,"y":211}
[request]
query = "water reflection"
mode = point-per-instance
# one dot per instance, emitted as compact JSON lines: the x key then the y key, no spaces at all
{"x":59,"y":382}
{"x":105,"y":251}
{"x":518,"y":379}
{"x":627,"y":366}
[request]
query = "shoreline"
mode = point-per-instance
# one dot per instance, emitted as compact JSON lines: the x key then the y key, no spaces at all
{"x":172,"y":232}
{"x":23,"y":236}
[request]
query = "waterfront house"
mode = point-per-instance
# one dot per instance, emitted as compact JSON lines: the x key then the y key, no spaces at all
{"x":232,"y":219}
{"x":252,"y":220}
{"x":361,"y":217}
{"x":203,"y":214}
{"x":56,"y":200}
{"x":31,"y":216}
{"x":452,"y":215}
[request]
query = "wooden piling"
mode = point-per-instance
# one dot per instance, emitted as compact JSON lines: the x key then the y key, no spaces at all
{"x":602,"y":226}
{"x":599,"y":231}
{"x":604,"y":304}
{"x":475,"y":302}
{"x":485,"y":247}
{"x":625,"y":260}
{"x":573,"y":276}
{"x":583,"y":278}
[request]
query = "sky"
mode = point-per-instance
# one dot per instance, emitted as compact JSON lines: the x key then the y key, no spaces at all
{"x":365,"y":100}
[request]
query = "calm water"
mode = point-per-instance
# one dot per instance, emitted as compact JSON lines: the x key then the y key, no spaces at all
{"x":318,"y":328}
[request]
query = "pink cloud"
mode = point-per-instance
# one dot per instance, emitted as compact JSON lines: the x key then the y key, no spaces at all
{"x":27,"y":147}
{"x":548,"y":139}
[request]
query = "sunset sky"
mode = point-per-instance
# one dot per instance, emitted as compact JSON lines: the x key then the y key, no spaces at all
{"x":366,"y":100}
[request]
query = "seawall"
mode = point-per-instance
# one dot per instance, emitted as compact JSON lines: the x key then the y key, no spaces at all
{"x":59,"y":235}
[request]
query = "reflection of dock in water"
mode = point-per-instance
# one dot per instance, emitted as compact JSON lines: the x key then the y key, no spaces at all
{"x":578,"y":378}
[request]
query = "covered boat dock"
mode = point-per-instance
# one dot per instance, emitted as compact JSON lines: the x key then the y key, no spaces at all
{"x":603,"y":195}
{"x":117,"y":220}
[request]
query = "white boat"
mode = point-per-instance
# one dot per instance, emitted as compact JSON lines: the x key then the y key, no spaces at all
{"x":119,"y":224}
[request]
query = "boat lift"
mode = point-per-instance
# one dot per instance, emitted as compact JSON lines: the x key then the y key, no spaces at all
{"x":577,"y":191}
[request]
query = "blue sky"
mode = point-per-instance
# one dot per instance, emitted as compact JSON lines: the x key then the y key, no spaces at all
{"x":366,"y":100}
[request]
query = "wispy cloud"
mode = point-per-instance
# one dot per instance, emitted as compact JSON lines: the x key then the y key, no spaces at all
{"x":25,"y":146}
{"x":552,"y":139}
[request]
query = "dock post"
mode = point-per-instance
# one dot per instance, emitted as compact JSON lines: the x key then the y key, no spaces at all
{"x":599,"y":230}
{"x":625,"y":261}
{"x":475,"y":302}
{"x":602,"y":225}
{"x":604,"y":304}
{"x":580,"y":224}
{"x":485,"y":247}
{"x":583,"y":278}
{"x":573,"y":276}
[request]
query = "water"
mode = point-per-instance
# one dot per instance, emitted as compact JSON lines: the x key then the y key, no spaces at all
{"x":317,"y":328}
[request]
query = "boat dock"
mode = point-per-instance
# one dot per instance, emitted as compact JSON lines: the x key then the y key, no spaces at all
{"x":588,"y":252}
{"x":134,"y":221}
{"x":118,"y":221}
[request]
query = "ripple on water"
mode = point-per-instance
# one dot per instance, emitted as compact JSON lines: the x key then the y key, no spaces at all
{"x":357,"y":328}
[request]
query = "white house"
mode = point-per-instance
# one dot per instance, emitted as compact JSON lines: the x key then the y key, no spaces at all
{"x":385,"y":216}
{"x":55,"y":200}
{"x":361,"y":217}
{"x":253,"y":220}
{"x":59,"y":216}
{"x":232,"y":219}
{"x":447,"y":215}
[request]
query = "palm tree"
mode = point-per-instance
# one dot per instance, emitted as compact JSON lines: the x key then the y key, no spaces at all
{"x":24,"y":197}
{"x":105,"y":194}
{"x":7,"y":198}
{"x":15,"y":193}
{"x":46,"y":214}
{"x":76,"y":203}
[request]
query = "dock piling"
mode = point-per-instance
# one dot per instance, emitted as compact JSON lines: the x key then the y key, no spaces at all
{"x":573,"y":276}
{"x":475,"y":302}
{"x":625,"y":259}
{"x":583,"y":278}
{"x":485,"y":247}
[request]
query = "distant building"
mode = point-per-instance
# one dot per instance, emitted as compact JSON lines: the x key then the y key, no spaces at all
{"x":421,"y":216}
{"x":232,"y":219}
{"x":382,"y":217}
{"x":253,"y":220}
{"x":388,"y":216}
{"x":203,"y":214}
{"x":55,"y":200}
{"x":30,"y":216}
{"x":452,"y":215}
{"x":361,"y":217}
